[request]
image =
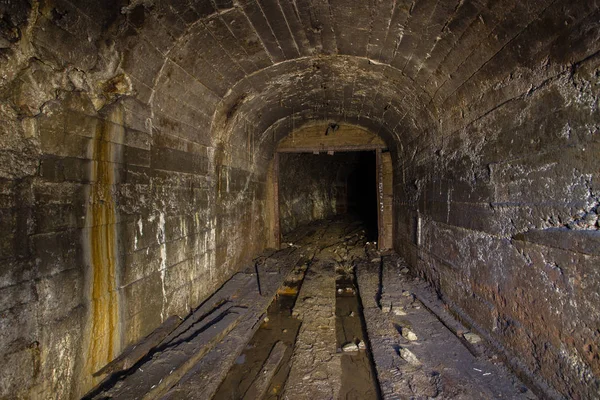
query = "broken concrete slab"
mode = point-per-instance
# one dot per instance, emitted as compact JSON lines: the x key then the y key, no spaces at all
{"x":439,"y":364}
{"x":316,"y":369}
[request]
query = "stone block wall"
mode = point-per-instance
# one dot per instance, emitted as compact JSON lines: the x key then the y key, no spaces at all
{"x":136,"y":138}
{"x":500,"y":211}
{"x":118,"y":207}
{"x":310,"y":186}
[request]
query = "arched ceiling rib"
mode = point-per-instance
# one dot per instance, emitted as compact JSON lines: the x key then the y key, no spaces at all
{"x":337,"y":88}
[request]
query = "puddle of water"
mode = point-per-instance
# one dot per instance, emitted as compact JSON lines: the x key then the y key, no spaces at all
{"x":278,"y":326}
{"x":241,"y":359}
{"x":358,"y":377}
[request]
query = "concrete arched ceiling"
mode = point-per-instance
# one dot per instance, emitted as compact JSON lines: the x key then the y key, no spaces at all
{"x":342,"y":88}
{"x":136,"y":126}
{"x":225,"y":66}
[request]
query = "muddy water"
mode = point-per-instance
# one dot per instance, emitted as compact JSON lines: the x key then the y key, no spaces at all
{"x":358,"y":378}
{"x":278,"y":326}
{"x":358,"y":375}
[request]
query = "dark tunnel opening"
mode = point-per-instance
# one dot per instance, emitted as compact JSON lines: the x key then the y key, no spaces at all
{"x":318,"y":186}
{"x":362,"y":191}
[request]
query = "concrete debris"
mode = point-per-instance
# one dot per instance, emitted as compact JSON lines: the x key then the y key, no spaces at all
{"x":350,"y":347}
{"x":437,"y":366}
{"x":398,"y":310}
{"x":409,"y":357}
{"x":409,"y":335}
{"x":472,"y":338}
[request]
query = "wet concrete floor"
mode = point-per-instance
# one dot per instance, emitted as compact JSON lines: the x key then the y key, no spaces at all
{"x":326,"y":317}
{"x":359,"y":380}
{"x":278,"y":327}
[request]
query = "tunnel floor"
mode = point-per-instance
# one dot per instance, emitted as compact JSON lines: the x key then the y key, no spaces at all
{"x":326,"y":317}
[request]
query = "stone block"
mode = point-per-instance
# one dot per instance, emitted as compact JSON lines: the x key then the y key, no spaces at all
{"x":59,"y":169}
{"x":59,"y":143}
{"x":59,"y":294}
{"x":585,"y":241}
{"x":56,"y":251}
{"x":56,"y":44}
{"x":60,"y":347}
{"x":18,"y":327}
{"x":17,"y":294}
{"x":146,"y":312}
{"x":145,"y":71}
{"x":20,"y":371}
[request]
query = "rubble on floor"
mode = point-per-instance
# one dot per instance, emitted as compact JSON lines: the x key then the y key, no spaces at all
{"x":327,"y":317}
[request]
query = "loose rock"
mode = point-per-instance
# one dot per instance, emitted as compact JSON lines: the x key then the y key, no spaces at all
{"x":409,"y":357}
{"x":472,"y":338}
{"x":409,"y":335}
{"x":350,"y":347}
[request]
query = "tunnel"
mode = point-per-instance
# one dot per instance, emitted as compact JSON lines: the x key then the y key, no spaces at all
{"x":321,"y":186}
{"x":388,"y":198}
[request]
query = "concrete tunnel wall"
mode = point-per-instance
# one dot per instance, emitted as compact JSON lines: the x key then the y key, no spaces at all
{"x":136,"y":139}
{"x":314,"y":187}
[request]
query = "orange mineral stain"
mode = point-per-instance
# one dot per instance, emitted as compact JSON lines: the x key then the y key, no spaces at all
{"x":104,"y":311}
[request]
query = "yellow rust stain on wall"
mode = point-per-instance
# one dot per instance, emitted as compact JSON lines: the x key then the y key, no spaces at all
{"x":104,"y":308}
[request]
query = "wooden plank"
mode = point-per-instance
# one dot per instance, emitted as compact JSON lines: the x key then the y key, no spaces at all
{"x":177,"y":356}
{"x":388,"y":201}
{"x":213,"y":334}
{"x":276,"y":228}
{"x":326,"y":149}
{"x":379,"y":179}
{"x":326,"y":135}
{"x":135,"y":353}
{"x":260,"y":386}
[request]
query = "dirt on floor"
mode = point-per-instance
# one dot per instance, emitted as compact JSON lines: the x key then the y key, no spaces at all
{"x":326,"y":317}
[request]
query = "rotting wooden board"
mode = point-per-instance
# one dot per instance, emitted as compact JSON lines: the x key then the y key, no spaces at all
{"x":259,"y":387}
{"x":123,"y":382}
{"x":229,"y":290}
{"x":204,"y":378}
{"x":155,"y":375}
{"x":387,"y":217}
{"x":212,"y":335}
{"x":135,"y":353}
{"x":344,"y":135}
